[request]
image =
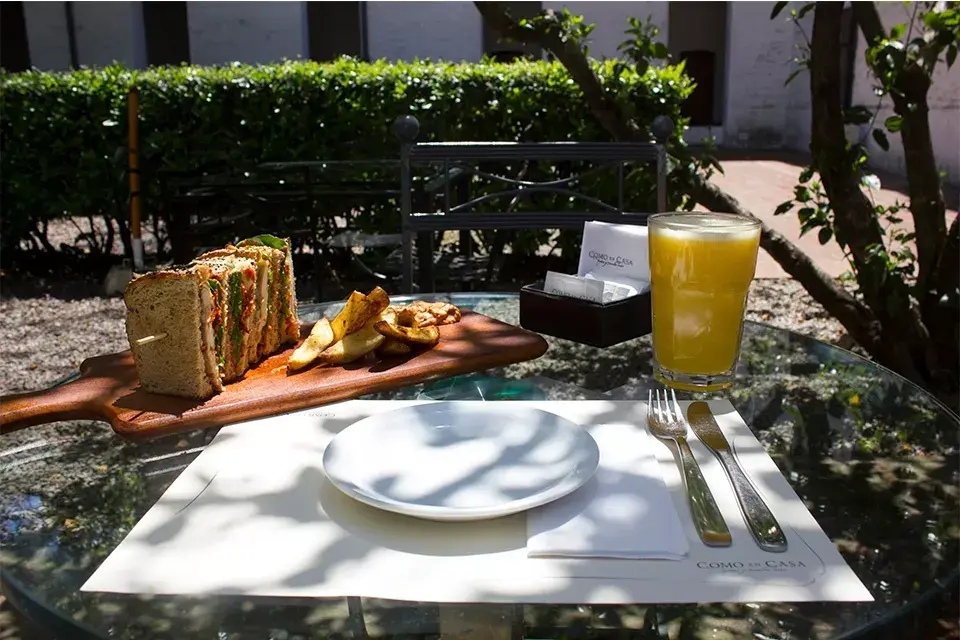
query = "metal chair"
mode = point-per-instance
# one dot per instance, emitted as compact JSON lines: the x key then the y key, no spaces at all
{"x":458,"y":162}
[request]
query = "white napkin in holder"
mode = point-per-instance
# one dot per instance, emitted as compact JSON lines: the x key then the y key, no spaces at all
{"x":616,"y":253}
{"x":607,"y":302}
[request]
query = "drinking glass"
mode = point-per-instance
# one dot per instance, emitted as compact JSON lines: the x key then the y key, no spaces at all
{"x":701,"y":266}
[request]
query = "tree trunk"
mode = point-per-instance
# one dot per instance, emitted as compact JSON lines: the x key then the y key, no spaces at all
{"x":923,"y":176}
{"x":938,"y":260}
{"x":905,"y":345}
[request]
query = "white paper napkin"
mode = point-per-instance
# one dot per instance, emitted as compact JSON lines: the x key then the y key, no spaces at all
{"x":615,"y":253}
{"x":624,"y":511}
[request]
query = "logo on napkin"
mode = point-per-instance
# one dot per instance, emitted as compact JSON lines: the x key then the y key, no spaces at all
{"x":606,"y":260}
{"x":615,"y":253}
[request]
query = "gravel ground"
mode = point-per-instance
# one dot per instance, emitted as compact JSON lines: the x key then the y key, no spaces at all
{"x":45,"y":338}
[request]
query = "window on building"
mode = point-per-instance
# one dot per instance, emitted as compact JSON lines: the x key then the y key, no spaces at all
{"x":14,"y":49}
{"x":336,"y":29}
{"x":166,"y":32}
{"x":504,"y":50}
{"x":697,"y":35}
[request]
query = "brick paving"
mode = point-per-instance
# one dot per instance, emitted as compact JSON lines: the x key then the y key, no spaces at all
{"x":761,"y":181}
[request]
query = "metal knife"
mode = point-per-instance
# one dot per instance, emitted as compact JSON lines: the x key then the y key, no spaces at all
{"x":764,"y":527}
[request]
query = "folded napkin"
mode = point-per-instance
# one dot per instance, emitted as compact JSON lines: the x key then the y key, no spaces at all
{"x":624,"y":511}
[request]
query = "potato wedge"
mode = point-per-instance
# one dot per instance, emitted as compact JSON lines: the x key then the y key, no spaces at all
{"x":354,"y":345}
{"x":321,"y":337}
{"x":379,"y":297}
{"x":416,"y":335}
{"x":391,"y":347}
{"x":356,"y":312}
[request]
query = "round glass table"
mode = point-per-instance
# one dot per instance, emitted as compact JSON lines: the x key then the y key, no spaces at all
{"x":874,"y":458}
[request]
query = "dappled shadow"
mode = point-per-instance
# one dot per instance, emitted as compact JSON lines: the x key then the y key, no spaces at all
{"x":873,"y":459}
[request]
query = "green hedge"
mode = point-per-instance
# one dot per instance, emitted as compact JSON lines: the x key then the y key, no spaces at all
{"x":63,"y":135}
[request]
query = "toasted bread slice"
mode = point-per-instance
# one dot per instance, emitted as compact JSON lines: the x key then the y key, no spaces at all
{"x":288,"y":304}
{"x":177,"y":304}
{"x":217,"y":275}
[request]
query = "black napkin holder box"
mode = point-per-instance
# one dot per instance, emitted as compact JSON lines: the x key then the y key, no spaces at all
{"x":584,"y":321}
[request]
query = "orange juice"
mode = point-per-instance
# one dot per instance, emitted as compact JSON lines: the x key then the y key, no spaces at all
{"x":701,"y":265}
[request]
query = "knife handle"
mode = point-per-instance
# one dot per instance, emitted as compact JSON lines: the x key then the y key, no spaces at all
{"x":764,"y":527}
{"x":709,"y":521}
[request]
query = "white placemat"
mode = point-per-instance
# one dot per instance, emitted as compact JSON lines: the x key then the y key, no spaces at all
{"x":255,"y":515}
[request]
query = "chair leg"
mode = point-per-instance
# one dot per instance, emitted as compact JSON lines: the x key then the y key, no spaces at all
{"x":355,"y":611}
{"x":425,"y":261}
{"x":407,"y":262}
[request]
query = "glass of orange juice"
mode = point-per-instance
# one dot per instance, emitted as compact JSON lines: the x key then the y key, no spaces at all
{"x":701,"y":266}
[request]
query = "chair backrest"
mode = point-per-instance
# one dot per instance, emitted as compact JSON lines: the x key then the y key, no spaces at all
{"x":457,"y":162}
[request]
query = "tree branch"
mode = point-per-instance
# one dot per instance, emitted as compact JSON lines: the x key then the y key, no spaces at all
{"x":867,"y":16}
{"x":856,"y":318}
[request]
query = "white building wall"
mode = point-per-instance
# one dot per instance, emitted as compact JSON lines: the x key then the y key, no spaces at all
{"x":248,"y":32}
{"x":760,"y":111}
{"x":46,"y":24}
{"x":450,"y":31}
{"x":109,"y":32}
{"x":943,"y":99}
{"x":610,"y":20}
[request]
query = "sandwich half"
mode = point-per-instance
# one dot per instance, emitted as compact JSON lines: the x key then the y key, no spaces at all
{"x":236,"y":279}
{"x":175,"y":306}
{"x":262,"y":259}
{"x":213,"y":319}
{"x":283,"y":310}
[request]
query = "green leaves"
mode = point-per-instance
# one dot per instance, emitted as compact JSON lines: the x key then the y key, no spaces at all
{"x":59,"y":156}
{"x":783,"y":207}
{"x":893,"y":123}
{"x":881,"y":139}
{"x":641,"y":48}
{"x":267,"y":240}
{"x":857,"y":115}
{"x":825,"y":235}
{"x":777,"y":8}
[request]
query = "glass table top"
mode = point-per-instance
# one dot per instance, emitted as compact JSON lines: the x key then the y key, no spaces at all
{"x":872,"y":456}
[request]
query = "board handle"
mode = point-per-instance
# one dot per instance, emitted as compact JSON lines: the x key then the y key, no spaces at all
{"x":70,"y":401}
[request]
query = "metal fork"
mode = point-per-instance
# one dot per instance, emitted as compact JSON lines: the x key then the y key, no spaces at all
{"x":666,"y":422}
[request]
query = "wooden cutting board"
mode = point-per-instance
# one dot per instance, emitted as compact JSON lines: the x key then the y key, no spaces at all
{"x":108,"y":388}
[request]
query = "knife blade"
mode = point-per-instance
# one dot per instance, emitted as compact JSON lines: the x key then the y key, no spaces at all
{"x":760,"y":520}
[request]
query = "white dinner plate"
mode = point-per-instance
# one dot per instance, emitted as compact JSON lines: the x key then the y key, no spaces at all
{"x":461,"y":461}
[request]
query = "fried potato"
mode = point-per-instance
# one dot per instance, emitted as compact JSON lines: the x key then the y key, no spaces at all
{"x":355,"y":345}
{"x":416,"y":335}
{"x":321,"y":337}
{"x":391,"y":347}
{"x":358,"y":310}
{"x":380,"y":298}
{"x":427,"y":314}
